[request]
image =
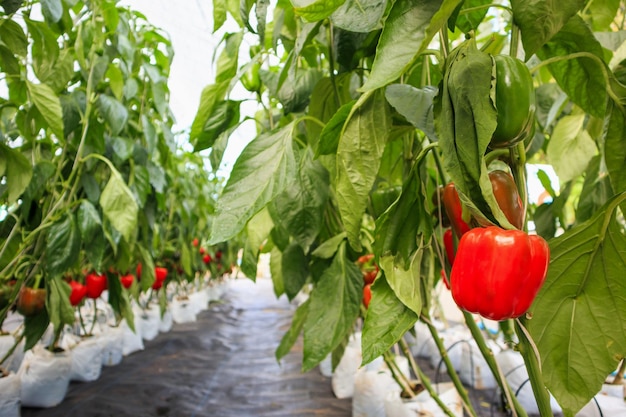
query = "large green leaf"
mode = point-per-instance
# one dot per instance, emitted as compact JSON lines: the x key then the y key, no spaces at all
{"x":227,"y":61}
{"x":295,"y":93}
{"x":258,"y":229}
{"x":570,"y":147}
{"x":89,"y":222}
{"x":539,"y":20}
{"x":225,"y":115}
{"x":59,"y":308}
{"x":359,"y":15}
{"x":329,"y":137}
{"x":45,"y":49}
{"x":219,"y":14}
{"x":360,"y":149}
{"x":119,"y":205}
{"x":579,"y":316}
{"x":276,"y":271}
{"x":263,"y":170}
{"x":13,"y":37}
{"x":407,"y":31}
{"x":405,"y":282}
{"x":49,"y":106}
{"x":120,"y":302}
{"x":62,"y":245}
{"x":148,"y":276}
{"x":387,"y":320}
{"x":17,"y":169}
{"x":601,"y":13}
{"x":333,"y":308}
{"x":324,"y":103}
{"x":328,"y":249}
{"x":465,"y":119}
{"x":581,"y":78}
{"x":52,"y":10}
{"x":467,"y":21}
{"x":317,"y":9}
{"x":290,"y":338}
{"x":615,"y":148}
{"x":209,"y":99}
{"x":114,"y":112}
{"x":596,"y":191}
{"x":300,"y":208}
{"x":295,"y":270}
{"x":415,"y":104}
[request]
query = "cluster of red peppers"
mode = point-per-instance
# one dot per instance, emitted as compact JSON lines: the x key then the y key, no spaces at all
{"x":497,"y":272}
{"x":370,"y":270}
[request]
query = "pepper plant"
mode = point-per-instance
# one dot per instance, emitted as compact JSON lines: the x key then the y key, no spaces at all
{"x":366,"y":108}
{"x":93,"y":181}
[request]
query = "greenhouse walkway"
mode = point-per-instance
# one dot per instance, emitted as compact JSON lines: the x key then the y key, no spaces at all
{"x":221,"y":365}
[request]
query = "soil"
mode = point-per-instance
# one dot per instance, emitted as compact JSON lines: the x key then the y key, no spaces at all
{"x":221,"y":365}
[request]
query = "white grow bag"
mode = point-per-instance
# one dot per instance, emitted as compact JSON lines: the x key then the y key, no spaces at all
{"x":10,"y":395}
{"x":45,"y":377}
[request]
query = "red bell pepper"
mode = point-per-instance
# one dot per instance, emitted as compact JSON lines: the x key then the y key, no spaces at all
{"x":497,"y":273}
{"x":367,"y":295}
{"x":31,"y":301}
{"x":448,"y":243}
{"x":160,"y":275}
{"x":96,"y":284}
{"x":454,"y":210}
{"x":127,"y":280}
{"x":79,"y":292}
{"x":507,"y":197}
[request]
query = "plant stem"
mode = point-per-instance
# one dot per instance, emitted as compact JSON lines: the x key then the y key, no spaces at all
{"x":514,"y":40}
{"x":429,"y":387}
{"x":331,"y":63}
{"x":397,"y":374}
{"x":619,"y":378}
{"x":450,"y":368}
{"x":518,"y":167}
{"x":531,"y":360}
{"x":487,"y":353}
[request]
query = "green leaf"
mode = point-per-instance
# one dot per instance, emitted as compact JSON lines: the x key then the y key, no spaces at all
{"x":13,"y":37}
{"x":397,"y":228}
{"x":52,"y":10}
{"x":415,"y":104}
{"x":34,"y":328}
{"x":316,"y":10}
{"x":227,"y":61}
{"x":211,"y":96}
{"x":219,"y":14}
{"x":615,"y":148}
{"x":261,"y":18}
{"x":290,"y":338}
{"x":581,"y":78}
{"x":114,"y":112}
{"x":545,"y":221}
{"x":579,"y":316}
{"x":116,"y":81}
{"x":300,"y":208}
{"x":119,"y":205}
{"x":49,"y":106}
{"x":62,"y":245}
{"x":596,"y":191}
{"x":601,"y":13}
{"x":59,"y":308}
{"x":539,"y":20}
{"x":276,"y":271}
{"x":328,"y":249}
{"x":387,"y":320}
{"x":45,"y":49}
{"x":360,"y":149}
{"x":295,"y":270}
{"x":263,"y":170}
{"x":470,"y":21}
{"x":329,"y":138}
{"x":359,"y":15}
{"x":570,"y":147}
{"x":89,"y":222}
{"x":225,"y":116}
{"x":10,"y":7}
{"x":295,"y":93}
{"x":323,"y":104}
{"x":465,"y":119}
{"x":334,"y":306}
{"x":405,"y":282}
{"x":258,"y":229}
{"x":62,"y":72}
{"x":147,"y":271}
{"x":18,"y":171}
{"x":407,"y":31}
{"x":120,"y":302}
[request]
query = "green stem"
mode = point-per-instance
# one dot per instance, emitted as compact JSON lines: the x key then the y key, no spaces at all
{"x":514,"y":40}
{"x":429,"y":387}
{"x":531,"y":360}
{"x":506,"y":326}
{"x":443,"y":40}
{"x":331,"y":63}
{"x":518,"y":167}
{"x":450,"y":368}
{"x":397,"y":374}
{"x":485,"y":6}
{"x":487,"y":353}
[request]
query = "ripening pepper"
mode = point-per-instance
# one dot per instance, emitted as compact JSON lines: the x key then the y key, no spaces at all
{"x":514,"y":101}
{"x":96,"y":284}
{"x":497,"y":273}
{"x":78,"y":293}
{"x":454,"y":210}
{"x":31,"y":301}
{"x":448,"y":244}
{"x":508,"y":197}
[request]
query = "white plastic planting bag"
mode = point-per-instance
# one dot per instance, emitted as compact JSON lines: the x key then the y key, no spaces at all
{"x":12,"y":363}
{"x":166,"y":321}
{"x":423,"y":404}
{"x":112,"y":346}
{"x":326,"y":366}
{"x":150,"y":321}
{"x":343,"y":377}
{"x":474,"y":370}
{"x":132,"y":341}
{"x":371,"y":387}
{"x":86,"y":353}
{"x":199,"y":301}
{"x":183,"y":311}
{"x":45,"y":377}
{"x":10,"y":394}
{"x":514,"y":371}
{"x":604,"y":406}
{"x":419,"y":344}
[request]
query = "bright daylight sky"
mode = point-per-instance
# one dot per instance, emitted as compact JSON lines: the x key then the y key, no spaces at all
{"x":189,"y":24}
